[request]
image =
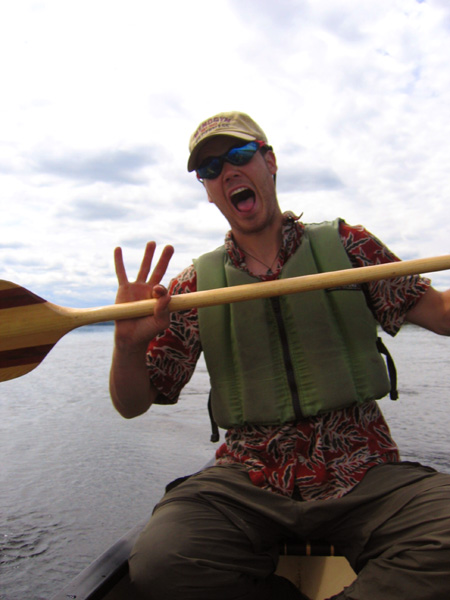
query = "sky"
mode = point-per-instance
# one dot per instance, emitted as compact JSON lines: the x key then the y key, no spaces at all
{"x":99,"y":99}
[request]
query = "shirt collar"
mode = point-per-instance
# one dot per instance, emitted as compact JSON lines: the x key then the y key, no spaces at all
{"x":291,"y":231}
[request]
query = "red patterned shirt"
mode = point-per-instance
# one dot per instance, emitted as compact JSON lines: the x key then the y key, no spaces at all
{"x":319,"y":457}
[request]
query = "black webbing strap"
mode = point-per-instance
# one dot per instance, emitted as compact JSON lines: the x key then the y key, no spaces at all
{"x":215,"y":436}
{"x":393,"y":394}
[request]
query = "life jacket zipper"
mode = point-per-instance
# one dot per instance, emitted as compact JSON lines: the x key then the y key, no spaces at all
{"x":276,"y":305}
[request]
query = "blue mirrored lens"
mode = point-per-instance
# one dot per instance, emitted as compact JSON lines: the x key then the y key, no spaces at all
{"x":211,"y":170}
{"x":242,"y":155}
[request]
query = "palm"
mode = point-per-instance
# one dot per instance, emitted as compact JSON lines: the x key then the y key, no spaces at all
{"x":142,"y":330}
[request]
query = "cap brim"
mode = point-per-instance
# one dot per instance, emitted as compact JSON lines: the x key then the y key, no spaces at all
{"x":191,"y":166}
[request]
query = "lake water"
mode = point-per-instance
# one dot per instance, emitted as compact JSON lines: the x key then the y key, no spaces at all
{"x":75,"y":476}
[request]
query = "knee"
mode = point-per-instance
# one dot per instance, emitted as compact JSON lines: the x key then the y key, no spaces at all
{"x":156,"y":566}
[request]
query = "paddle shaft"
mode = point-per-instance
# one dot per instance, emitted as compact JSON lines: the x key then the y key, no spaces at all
{"x":264,"y":289}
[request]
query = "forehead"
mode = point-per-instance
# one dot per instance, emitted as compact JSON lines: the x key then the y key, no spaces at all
{"x":218,"y":145}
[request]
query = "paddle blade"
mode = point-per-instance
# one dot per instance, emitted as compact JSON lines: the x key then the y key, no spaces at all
{"x":29,"y":328}
{"x":15,"y":363}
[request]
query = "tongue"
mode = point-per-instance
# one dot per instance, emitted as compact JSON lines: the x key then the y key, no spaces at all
{"x":244,"y":200}
{"x":246,"y":205}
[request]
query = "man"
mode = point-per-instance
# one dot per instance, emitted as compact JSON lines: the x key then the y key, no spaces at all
{"x":307,"y":452}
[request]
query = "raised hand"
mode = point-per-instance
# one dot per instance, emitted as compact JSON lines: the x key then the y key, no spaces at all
{"x":147,"y":285}
{"x":130,"y":388}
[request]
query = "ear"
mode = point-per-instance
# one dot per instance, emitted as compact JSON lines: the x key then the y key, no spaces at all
{"x":271,"y":161}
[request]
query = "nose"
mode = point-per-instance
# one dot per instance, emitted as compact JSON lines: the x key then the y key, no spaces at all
{"x":229,"y":171}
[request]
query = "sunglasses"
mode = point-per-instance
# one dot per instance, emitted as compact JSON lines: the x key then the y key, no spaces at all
{"x":212,"y":166}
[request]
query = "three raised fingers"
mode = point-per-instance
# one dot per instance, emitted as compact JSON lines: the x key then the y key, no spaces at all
{"x":144,"y":270}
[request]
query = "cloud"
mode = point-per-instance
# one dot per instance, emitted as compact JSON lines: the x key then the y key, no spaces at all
{"x":12,"y":245}
{"x":309,"y":179}
{"x":94,"y":210}
{"x":109,"y":166}
{"x":281,"y":17}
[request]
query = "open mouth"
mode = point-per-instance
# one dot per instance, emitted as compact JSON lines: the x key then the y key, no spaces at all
{"x":243,"y":199}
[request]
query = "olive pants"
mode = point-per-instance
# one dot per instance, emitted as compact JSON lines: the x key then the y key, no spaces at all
{"x":216,"y":536}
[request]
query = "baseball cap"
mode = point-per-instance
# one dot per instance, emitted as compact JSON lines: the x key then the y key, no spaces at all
{"x":234,"y":124}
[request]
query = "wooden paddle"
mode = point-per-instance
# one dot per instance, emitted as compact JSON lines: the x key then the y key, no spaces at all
{"x":30,"y":326}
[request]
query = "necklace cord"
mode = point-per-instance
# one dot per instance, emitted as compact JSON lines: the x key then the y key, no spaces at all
{"x":268,"y":267}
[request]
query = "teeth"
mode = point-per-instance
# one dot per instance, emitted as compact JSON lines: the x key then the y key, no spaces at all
{"x":238,"y":191}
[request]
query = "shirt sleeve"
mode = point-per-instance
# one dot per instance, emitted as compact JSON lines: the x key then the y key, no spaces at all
{"x":172,"y":355}
{"x":388,"y":299}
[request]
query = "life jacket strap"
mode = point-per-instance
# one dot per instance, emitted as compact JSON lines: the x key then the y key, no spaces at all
{"x":215,"y":435}
{"x":392,"y":371}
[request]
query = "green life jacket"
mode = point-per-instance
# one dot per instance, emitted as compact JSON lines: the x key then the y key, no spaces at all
{"x":281,"y":359}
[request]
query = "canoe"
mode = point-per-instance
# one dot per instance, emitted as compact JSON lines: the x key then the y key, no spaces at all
{"x":312,"y":567}
{"x":316,"y":575}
